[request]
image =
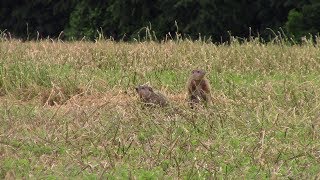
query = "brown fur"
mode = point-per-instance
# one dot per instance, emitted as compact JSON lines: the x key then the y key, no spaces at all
{"x":149,"y":97}
{"x":198,"y":88}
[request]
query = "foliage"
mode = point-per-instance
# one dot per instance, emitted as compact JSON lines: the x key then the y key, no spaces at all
{"x":126,"y":19}
{"x":305,"y":21}
{"x":28,"y":18}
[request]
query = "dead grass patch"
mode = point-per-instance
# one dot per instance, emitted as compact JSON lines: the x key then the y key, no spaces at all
{"x":59,"y":95}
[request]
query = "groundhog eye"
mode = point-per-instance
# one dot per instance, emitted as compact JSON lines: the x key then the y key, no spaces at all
{"x":198,"y":71}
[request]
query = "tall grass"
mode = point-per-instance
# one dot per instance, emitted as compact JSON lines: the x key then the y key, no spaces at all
{"x":264,"y":121}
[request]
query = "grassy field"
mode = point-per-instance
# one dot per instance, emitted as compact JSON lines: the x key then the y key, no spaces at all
{"x":70,"y":110}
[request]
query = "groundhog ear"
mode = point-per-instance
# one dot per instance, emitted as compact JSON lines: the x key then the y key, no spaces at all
{"x":150,"y":89}
{"x":137,"y":89}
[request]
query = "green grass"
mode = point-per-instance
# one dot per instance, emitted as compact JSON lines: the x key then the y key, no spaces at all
{"x":264,"y":121}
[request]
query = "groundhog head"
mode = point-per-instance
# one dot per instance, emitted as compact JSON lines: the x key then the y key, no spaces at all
{"x":198,"y":74}
{"x":144,"y":91}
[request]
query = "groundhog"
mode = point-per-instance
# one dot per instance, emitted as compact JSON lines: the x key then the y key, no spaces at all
{"x":149,"y":97}
{"x":198,"y":88}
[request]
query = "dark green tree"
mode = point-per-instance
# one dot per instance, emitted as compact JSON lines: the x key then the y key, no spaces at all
{"x":124,"y":19}
{"x":304,"y":21}
{"x":25,"y":18}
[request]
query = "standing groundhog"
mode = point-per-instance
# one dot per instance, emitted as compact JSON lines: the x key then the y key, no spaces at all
{"x":198,"y":88}
{"x":149,"y":97}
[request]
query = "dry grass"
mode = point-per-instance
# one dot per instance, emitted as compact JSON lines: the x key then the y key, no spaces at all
{"x":70,"y":110}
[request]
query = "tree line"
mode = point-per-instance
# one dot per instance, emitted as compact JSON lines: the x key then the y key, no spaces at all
{"x":126,"y":19}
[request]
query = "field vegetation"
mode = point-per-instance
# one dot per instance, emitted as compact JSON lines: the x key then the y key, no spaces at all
{"x":69,"y":109}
